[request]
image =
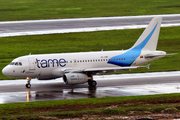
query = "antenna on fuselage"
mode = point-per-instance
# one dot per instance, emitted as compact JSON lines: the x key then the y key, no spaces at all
{"x":29,"y":53}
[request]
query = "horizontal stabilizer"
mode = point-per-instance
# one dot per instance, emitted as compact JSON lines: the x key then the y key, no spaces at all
{"x":151,"y":56}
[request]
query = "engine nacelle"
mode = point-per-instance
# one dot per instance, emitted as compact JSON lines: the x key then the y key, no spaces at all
{"x":75,"y":78}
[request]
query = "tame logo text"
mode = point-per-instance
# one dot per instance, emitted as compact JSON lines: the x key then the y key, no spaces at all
{"x":50,"y":63}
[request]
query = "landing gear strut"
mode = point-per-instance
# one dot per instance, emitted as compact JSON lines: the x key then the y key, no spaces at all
{"x":28,"y":85}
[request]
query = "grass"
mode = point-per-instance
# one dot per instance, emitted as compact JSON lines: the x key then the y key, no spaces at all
{"x":12,"y":47}
{"x":37,"y":9}
{"x":129,"y":105}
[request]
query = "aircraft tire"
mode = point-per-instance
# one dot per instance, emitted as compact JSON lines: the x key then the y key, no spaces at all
{"x":92,"y":83}
{"x":28,"y":85}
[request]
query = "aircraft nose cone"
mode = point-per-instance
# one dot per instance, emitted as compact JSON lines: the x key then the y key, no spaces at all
{"x":5,"y":71}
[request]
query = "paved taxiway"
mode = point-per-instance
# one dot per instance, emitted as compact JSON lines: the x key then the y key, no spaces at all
{"x":33,"y":27}
{"x":108,"y":85}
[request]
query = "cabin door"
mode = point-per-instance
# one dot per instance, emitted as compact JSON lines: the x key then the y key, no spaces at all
{"x":31,"y":64}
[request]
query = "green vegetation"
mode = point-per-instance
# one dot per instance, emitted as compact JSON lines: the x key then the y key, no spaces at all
{"x":48,"y":9}
{"x":130,"y":105}
{"x":169,"y":40}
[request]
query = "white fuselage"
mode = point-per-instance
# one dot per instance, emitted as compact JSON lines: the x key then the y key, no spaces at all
{"x":48,"y":66}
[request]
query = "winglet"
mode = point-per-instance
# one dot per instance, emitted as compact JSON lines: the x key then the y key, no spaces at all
{"x":147,"y":66}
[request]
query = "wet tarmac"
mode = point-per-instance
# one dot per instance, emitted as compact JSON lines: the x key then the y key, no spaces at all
{"x":12,"y":91}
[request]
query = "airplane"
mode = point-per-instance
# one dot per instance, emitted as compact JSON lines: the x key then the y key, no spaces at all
{"x":79,"y":68}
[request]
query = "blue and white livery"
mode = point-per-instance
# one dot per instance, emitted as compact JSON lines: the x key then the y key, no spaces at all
{"x":77,"y":68}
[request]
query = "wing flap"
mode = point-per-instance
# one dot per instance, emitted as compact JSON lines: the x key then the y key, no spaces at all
{"x":110,"y":68}
{"x":103,"y":69}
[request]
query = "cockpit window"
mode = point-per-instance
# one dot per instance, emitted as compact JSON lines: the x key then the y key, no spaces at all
{"x":12,"y":63}
{"x":16,"y":63}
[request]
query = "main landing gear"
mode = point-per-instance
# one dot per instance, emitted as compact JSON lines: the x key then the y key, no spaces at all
{"x":91,"y":82}
{"x":28,"y":85}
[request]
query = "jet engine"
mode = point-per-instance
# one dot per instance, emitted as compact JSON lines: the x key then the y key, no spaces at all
{"x":75,"y":78}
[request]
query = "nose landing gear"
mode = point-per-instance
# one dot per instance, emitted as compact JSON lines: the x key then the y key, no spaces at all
{"x":28,"y":85}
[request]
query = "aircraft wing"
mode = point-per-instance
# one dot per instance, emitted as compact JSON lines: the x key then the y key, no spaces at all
{"x":110,"y":68}
{"x":151,"y":56}
{"x":104,"y":69}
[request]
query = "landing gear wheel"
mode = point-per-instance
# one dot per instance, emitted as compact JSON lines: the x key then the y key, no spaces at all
{"x":92,"y":83}
{"x":28,"y":85}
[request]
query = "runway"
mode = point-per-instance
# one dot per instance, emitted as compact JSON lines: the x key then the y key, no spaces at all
{"x":36,"y":27}
{"x":12,"y":91}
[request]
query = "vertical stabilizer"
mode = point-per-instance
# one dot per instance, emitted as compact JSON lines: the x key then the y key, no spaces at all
{"x":149,"y":38}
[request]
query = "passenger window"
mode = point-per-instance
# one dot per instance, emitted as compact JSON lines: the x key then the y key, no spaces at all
{"x":16,"y":63}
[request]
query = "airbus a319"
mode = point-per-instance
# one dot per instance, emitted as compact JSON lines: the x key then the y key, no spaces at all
{"x":78,"y":68}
